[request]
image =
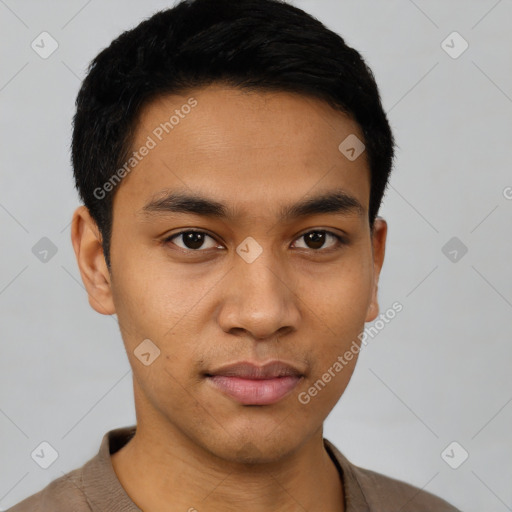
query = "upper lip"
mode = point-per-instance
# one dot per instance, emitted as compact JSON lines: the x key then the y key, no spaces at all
{"x":250,"y":370}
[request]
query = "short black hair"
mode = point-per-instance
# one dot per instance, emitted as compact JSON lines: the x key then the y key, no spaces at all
{"x":265,"y":45}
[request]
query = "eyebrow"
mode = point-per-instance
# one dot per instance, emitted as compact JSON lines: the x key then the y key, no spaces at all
{"x":331,"y":202}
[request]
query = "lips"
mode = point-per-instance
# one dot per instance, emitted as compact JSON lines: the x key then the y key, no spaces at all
{"x":252,"y":384}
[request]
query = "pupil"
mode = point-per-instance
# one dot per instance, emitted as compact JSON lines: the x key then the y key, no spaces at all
{"x":193,"y":240}
{"x":316,"y":238}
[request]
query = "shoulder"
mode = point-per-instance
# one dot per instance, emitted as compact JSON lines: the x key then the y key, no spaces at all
{"x":92,"y":487}
{"x":383,"y":493}
{"x":61,"y":495}
{"x":397,"y":495}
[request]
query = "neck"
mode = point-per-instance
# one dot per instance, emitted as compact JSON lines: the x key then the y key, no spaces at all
{"x":163,"y":470}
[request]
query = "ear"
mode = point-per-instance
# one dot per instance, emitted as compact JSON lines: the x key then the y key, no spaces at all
{"x":380,"y":229}
{"x":86,"y":240}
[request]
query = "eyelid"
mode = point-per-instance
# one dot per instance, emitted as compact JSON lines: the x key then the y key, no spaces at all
{"x":190,"y":230}
{"x":342,"y":239}
{"x":329,"y":231}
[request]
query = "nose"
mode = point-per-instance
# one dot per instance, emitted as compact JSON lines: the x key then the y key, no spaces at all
{"x":259,"y":299}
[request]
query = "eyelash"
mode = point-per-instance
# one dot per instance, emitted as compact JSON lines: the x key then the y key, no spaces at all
{"x":341,"y":241}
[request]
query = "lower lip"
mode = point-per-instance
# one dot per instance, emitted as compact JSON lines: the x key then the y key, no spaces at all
{"x":255,"y":392}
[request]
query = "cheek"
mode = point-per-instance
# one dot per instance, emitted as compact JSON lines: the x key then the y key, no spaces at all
{"x":339,"y":295}
{"x":337,"y":308}
{"x":168,"y":382}
{"x":153,"y":303}
{"x":151,"y":300}
{"x":324,"y":388}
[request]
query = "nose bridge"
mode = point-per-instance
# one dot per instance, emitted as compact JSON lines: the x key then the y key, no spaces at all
{"x":261,"y":300}
{"x":260,"y":271}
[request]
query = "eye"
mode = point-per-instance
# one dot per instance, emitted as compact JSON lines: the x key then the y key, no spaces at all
{"x":192,"y":240}
{"x":315,"y":239}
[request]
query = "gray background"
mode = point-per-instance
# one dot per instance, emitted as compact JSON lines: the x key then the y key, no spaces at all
{"x":438,"y":372}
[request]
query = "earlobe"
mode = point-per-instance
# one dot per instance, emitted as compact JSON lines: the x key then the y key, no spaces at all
{"x":373,"y":309}
{"x":86,"y":240}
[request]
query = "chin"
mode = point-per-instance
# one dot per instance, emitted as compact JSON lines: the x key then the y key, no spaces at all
{"x":254,"y":448}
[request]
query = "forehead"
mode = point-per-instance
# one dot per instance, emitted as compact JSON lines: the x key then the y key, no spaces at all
{"x":253,"y":149}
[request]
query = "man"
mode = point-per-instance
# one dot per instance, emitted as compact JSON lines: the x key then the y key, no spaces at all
{"x":232,"y":156}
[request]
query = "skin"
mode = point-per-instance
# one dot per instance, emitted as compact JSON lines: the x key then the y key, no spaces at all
{"x":304,"y":304}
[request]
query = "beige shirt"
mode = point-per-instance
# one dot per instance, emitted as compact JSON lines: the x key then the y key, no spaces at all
{"x":95,"y":487}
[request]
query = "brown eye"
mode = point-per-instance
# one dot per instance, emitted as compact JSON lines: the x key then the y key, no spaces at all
{"x":192,"y":240}
{"x":317,"y":238}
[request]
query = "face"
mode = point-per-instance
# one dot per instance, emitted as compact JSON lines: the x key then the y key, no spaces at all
{"x":238,"y":280}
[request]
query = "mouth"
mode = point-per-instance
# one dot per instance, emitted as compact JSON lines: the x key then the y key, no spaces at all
{"x":252,"y":384}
